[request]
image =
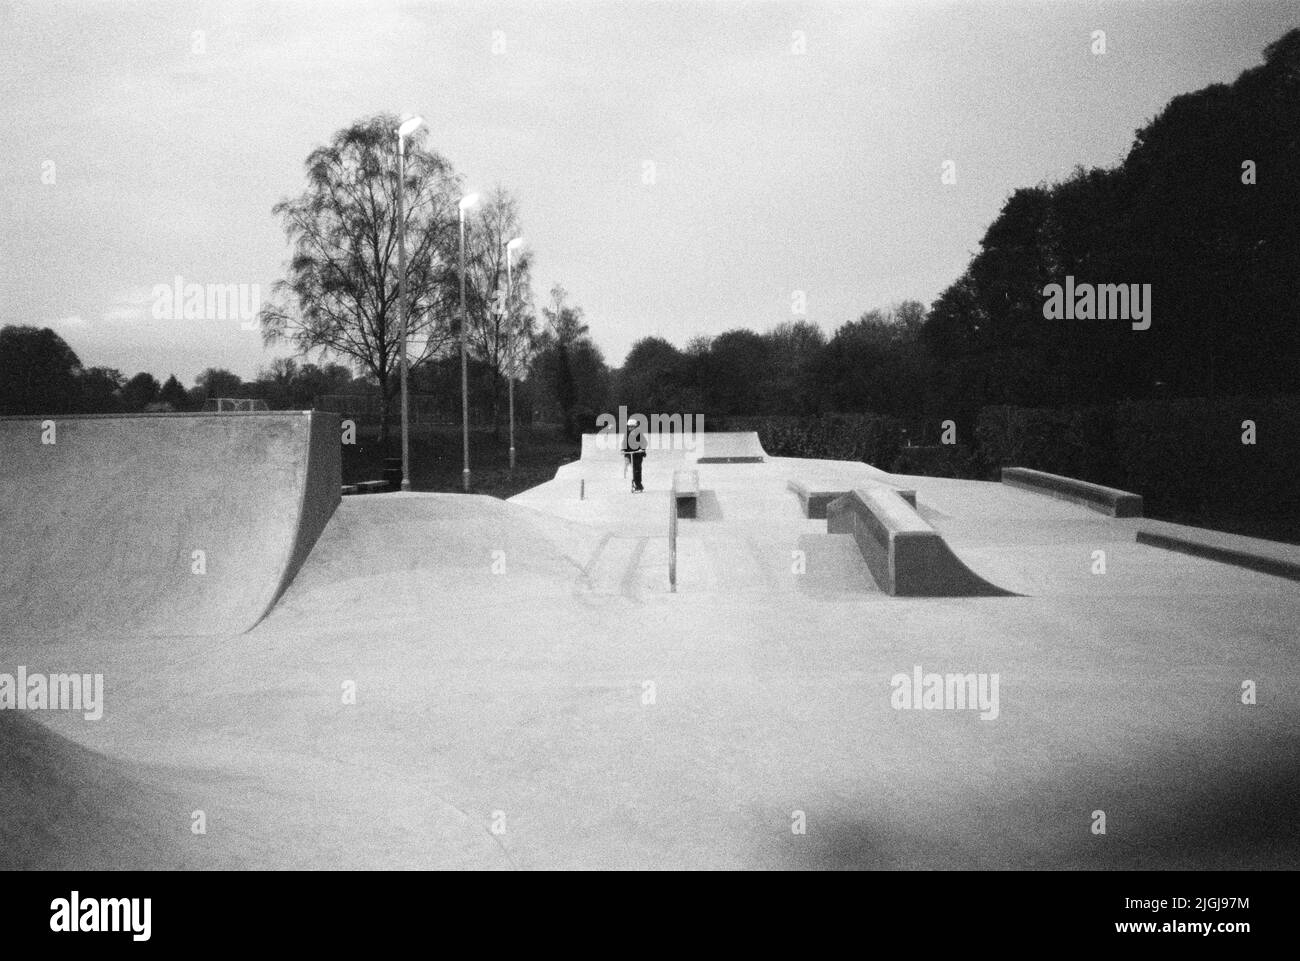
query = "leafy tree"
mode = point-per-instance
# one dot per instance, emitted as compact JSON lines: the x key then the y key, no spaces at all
{"x":173,"y":394}
{"x":568,"y":372}
{"x":341,"y":293}
{"x":739,"y":375}
{"x":275,"y":383}
{"x":1181,"y":214}
{"x":140,"y":391}
{"x":286,"y":384}
{"x":99,"y":390}
{"x":38,"y":372}
{"x":793,"y":351}
{"x":218,"y":382}
{"x":313,"y":381}
{"x":652,"y":377}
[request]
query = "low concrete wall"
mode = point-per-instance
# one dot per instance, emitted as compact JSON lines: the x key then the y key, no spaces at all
{"x":906,"y":556}
{"x":1108,"y":500}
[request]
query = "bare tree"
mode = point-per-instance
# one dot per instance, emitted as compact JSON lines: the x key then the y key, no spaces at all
{"x":341,"y":293}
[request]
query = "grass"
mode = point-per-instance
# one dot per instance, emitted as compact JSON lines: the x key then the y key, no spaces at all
{"x":436,"y":459}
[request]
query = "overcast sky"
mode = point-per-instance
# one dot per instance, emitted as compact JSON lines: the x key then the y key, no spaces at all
{"x":775,"y":170}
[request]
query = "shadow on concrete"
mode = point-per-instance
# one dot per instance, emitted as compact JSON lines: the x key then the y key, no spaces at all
{"x":65,"y":807}
{"x":1236,"y":808}
{"x":707,"y":507}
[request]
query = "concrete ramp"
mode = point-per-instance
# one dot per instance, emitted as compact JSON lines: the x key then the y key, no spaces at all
{"x":162,"y":524}
{"x":906,"y":556}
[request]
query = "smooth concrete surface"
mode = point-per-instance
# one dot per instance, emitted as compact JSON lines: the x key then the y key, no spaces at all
{"x":1108,"y":500}
{"x":170,"y":524}
{"x":459,"y":682}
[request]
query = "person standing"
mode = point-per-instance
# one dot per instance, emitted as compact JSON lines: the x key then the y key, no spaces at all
{"x":634,"y":450}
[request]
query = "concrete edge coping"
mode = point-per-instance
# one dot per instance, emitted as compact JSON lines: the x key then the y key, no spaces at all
{"x":1264,"y":557}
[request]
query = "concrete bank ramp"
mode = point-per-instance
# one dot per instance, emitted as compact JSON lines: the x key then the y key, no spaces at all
{"x":440,"y":559}
{"x":906,"y":556}
{"x":159,"y":524}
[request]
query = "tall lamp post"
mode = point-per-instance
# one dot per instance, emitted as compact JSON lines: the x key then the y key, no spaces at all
{"x":465,"y":203}
{"x":407,"y":128}
{"x":514,"y":346}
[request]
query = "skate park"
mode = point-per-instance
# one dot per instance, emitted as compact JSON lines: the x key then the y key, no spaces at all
{"x":530,"y":691}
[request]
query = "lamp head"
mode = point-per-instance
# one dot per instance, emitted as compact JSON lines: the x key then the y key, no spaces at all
{"x":409,"y":126}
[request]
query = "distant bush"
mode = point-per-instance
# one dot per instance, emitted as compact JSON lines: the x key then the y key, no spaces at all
{"x":936,"y":460}
{"x":1076,"y":443}
{"x":870,"y":438}
{"x":1185,"y":457}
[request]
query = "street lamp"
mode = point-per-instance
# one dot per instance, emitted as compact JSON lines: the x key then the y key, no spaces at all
{"x":408,"y":127}
{"x":514,"y":346}
{"x":469,"y":200}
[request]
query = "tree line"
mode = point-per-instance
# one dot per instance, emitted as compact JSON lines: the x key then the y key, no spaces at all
{"x":1204,"y":208}
{"x":41,"y":374}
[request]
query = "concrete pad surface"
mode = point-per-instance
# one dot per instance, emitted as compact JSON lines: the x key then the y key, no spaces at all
{"x":527,"y":693}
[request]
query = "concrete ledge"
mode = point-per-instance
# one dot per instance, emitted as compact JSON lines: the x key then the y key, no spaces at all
{"x":374,"y":487}
{"x":1107,"y":500}
{"x":815,"y":502}
{"x":906,"y":556}
{"x":1266,"y":557}
{"x":686,"y":492}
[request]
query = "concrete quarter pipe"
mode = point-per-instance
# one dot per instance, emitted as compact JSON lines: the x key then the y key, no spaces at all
{"x":185,"y":524}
